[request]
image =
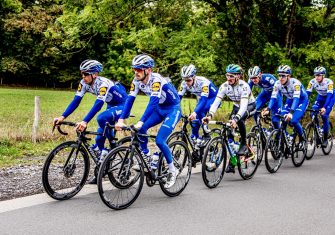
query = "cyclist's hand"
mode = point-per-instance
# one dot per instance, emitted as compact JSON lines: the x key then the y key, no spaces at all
{"x":119,"y":125}
{"x":192,"y":116}
{"x":81,"y":126}
{"x":265,"y":112}
{"x":58,"y":120}
{"x":138,"y":125}
{"x":233,"y":123}
{"x":205,"y":120}
{"x":288,"y":117}
{"x":322,"y":111}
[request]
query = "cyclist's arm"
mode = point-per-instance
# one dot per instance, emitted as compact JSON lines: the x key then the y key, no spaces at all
{"x":134,"y":89}
{"x":243,"y":108}
{"x":251,"y":84}
{"x":203,"y":98}
{"x":220,"y":95}
{"x":94,"y":110}
{"x":330,"y":92}
{"x":72,"y":106}
{"x":274,"y":95}
{"x":182,"y":90}
{"x":309,"y":88}
{"x":156,"y":92}
{"x":296,"y":97}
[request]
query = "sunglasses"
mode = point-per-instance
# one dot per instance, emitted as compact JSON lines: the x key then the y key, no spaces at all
{"x":138,"y":70}
{"x":85,"y":74}
{"x":252,"y":78}
{"x":230,"y":75}
{"x":317,"y":75}
{"x":282,"y":75}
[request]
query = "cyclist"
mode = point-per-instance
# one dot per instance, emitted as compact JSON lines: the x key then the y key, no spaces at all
{"x":239,"y":92}
{"x":296,"y":102}
{"x":265,"y":81}
{"x":325,"y":98}
{"x":107,"y":91}
{"x":163,"y":106}
{"x":205,"y":91}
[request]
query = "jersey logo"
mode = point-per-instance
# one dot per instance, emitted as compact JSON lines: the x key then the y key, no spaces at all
{"x":79,"y":87}
{"x":205,"y":89}
{"x":330,"y":87}
{"x":102,"y":91}
{"x":181,"y":88}
{"x":297,"y":88}
{"x":156,"y":86}
{"x":132,"y":87}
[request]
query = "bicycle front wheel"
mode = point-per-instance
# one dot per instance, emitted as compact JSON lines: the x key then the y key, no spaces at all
{"x":311,"y":141}
{"x":65,"y":171}
{"x":274,"y":153}
{"x":119,"y":182}
{"x":298,"y":155}
{"x":329,"y":147}
{"x":214,"y":162}
{"x":183,"y":162}
{"x":247,"y":166}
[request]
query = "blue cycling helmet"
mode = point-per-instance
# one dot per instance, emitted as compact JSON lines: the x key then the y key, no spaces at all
{"x":320,"y":70}
{"x":284,"y":69}
{"x":142,"y":61}
{"x":234,"y":68}
{"x":188,"y":71}
{"x":90,"y":66}
{"x":254,"y":72}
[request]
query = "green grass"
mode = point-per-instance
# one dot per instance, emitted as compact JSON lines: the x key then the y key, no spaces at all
{"x":17,"y":117}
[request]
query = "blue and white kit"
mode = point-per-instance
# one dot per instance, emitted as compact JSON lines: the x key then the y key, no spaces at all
{"x":107,"y":91}
{"x":296,"y":102}
{"x":205,"y":91}
{"x":325,"y":98}
{"x":164,"y":105}
{"x":266,"y":83}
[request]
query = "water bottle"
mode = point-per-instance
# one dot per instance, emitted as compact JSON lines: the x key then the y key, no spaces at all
{"x":320,"y":131}
{"x":198,"y":143}
{"x":232,"y":147}
{"x":266,"y":132}
{"x":154,"y":161}
{"x":103,"y":154}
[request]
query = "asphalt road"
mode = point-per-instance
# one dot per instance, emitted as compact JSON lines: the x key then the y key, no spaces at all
{"x":292,"y":201}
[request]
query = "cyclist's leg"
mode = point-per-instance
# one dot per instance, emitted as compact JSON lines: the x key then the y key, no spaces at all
{"x":276,"y":108}
{"x":196,"y":124}
{"x":170,"y":121}
{"x":110,"y":115}
{"x":154,"y":119}
{"x":325,"y":118}
{"x":297,"y":115}
{"x":319,"y":101}
{"x":285,"y":110}
{"x":243,"y":132}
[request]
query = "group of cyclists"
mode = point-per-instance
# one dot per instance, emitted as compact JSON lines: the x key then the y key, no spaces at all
{"x":164,"y":103}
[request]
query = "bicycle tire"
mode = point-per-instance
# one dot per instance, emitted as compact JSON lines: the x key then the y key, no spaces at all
{"x":329,"y":147}
{"x":248,"y":167}
{"x":51,"y":169}
{"x":119,"y":162}
{"x":183,"y":161}
{"x":298,"y":156}
{"x":311,"y":141}
{"x":123,"y":141}
{"x":214,"y":154}
{"x":273,"y":147}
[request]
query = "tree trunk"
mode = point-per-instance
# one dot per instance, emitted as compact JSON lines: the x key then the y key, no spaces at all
{"x":290,"y":27}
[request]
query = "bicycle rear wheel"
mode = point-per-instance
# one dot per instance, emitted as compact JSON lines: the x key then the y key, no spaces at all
{"x":298,"y":155}
{"x":247,"y":165}
{"x":65,"y":171}
{"x":311,"y":141}
{"x":274,"y":153}
{"x":329,"y":147}
{"x":214,"y":162}
{"x":119,"y":184}
{"x":182,"y":161}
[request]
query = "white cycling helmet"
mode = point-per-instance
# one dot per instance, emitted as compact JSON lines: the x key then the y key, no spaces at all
{"x":254,"y":72}
{"x":188,"y":71}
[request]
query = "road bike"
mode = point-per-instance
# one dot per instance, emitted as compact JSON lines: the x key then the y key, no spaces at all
{"x":216,"y":157}
{"x":315,"y":135}
{"x":67,"y":166}
{"x":282,"y":145}
{"x":121,"y":175}
{"x":196,"y":149}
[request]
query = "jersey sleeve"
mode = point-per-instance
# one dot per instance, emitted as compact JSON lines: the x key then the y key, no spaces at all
{"x":182,"y":89}
{"x":134,"y":88}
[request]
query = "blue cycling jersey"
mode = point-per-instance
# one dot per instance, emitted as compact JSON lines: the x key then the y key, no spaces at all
{"x":161,"y":91}
{"x":107,"y":91}
{"x":266,"y":82}
{"x":203,"y":88}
